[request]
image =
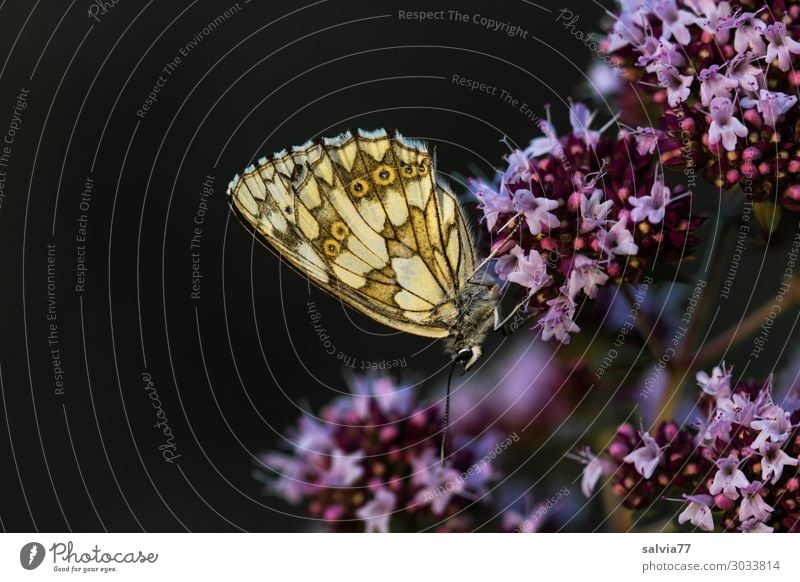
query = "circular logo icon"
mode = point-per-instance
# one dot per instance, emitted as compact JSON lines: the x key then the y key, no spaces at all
{"x":31,"y":555}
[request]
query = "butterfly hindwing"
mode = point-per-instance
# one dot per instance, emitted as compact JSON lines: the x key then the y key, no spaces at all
{"x":363,"y":216}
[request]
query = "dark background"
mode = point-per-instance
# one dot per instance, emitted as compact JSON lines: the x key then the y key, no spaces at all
{"x":235,"y":367}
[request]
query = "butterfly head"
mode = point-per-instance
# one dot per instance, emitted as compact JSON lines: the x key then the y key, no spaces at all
{"x":476,"y":305}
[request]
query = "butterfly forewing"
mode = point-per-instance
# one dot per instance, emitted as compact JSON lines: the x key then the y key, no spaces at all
{"x":363,"y":216}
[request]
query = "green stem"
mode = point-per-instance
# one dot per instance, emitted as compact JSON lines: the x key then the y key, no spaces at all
{"x":736,"y":333}
{"x":679,"y":368}
{"x":690,"y":345}
{"x":645,"y":329}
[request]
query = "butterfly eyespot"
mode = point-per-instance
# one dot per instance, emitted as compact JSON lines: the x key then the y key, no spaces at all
{"x":339,"y":230}
{"x":359,"y":187}
{"x":383,"y":176}
{"x":360,"y":216}
{"x":331,"y":247}
{"x":409,"y":171}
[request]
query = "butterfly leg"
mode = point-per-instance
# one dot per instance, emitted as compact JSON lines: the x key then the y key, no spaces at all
{"x":500,"y":325}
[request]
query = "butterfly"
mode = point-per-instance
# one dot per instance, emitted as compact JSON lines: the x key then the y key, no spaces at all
{"x":364,"y":217}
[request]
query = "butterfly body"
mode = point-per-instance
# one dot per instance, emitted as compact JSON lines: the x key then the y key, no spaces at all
{"x":364,"y":217}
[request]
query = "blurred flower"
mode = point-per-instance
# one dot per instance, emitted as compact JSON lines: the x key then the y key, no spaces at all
{"x":720,"y":470}
{"x":524,"y":390}
{"x":603,"y":80}
{"x":722,"y":78}
{"x":571,"y":214}
{"x":372,"y":463}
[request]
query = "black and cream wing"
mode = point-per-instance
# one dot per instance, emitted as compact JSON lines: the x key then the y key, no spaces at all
{"x":365,"y":219}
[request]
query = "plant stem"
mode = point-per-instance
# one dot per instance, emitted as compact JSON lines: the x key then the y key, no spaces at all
{"x":679,"y":368}
{"x":724,"y":341}
{"x":645,"y":329}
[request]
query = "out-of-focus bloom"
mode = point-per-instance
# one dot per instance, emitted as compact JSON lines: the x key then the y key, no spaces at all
{"x":603,"y":80}
{"x":377,"y":512}
{"x":582,"y":211}
{"x":524,"y":390}
{"x":372,"y":463}
{"x":721,"y":76}
{"x":724,"y":476}
{"x":516,"y":522}
{"x":596,"y":467}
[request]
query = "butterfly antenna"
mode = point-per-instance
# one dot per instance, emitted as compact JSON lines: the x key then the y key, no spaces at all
{"x":446,"y":421}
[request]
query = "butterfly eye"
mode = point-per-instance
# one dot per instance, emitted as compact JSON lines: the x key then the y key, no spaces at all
{"x":383,"y":176}
{"x":359,"y":187}
{"x":331,"y":247}
{"x":464,"y":355}
{"x":409,"y":171}
{"x":422,"y":169}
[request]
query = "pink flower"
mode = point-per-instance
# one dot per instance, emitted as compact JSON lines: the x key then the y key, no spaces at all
{"x":771,"y":105}
{"x":558,"y":320}
{"x":646,"y":458}
{"x":531,"y":271}
{"x":493,"y":203}
{"x":698,"y":512}
{"x":376,"y":513}
{"x":548,"y":144}
{"x":594,"y":211}
{"x":647,"y":140}
{"x":753,"y":505}
{"x":780,"y":45}
{"x":728,"y":478}
{"x":651,"y":206}
{"x":755,"y":526}
{"x":677,"y":85}
{"x":573,"y":211}
{"x":519,"y":167}
{"x":508,"y":262}
{"x":596,"y":467}
{"x":586,"y":275}
{"x":627,"y":30}
{"x":581,"y":118}
{"x":717,"y":19}
{"x":675,"y":20}
{"x":714,"y":84}
{"x":718,"y":384}
{"x":373,"y":452}
{"x":773,"y":461}
{"x":345,"y":469}
{"x":724,"y":126}
{"x":442,"y":485}
{"x":618,"y":240}
{"x":742,"y":70}
{"x":536,"y":211}
{"x":748,"y":34}
{"x":773,"y":424}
